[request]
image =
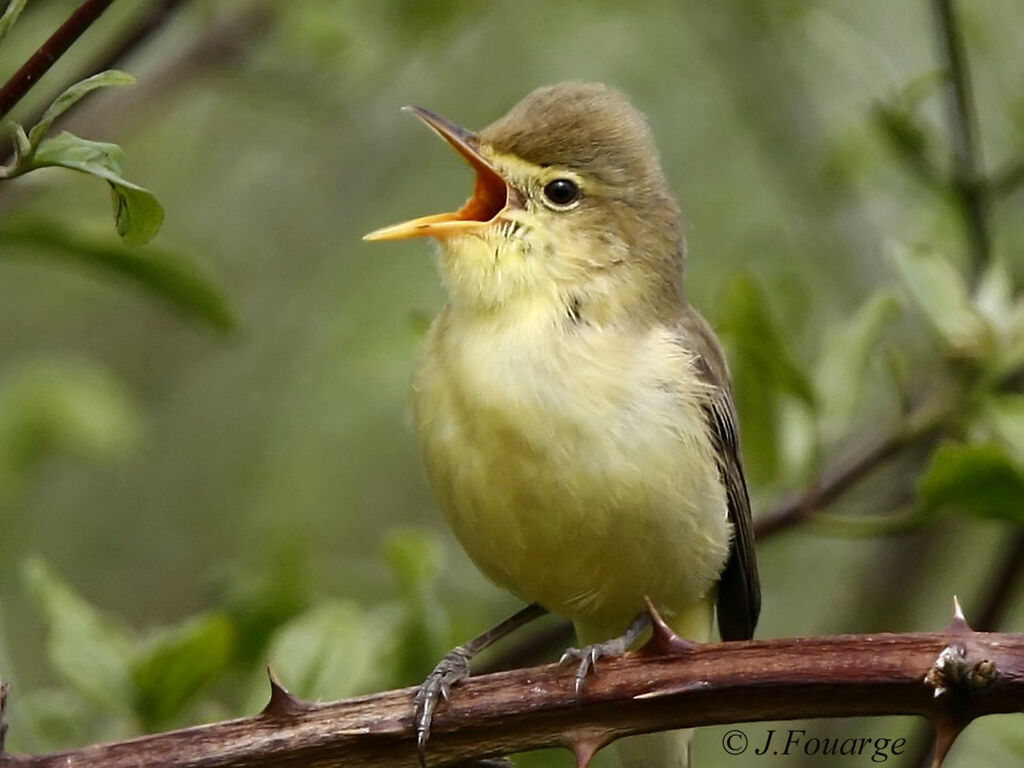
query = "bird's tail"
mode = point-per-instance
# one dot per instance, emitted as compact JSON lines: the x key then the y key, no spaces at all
{"x":664,"y":749}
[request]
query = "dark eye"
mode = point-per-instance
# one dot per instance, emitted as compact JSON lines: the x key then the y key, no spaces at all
{"x":562,"y":191}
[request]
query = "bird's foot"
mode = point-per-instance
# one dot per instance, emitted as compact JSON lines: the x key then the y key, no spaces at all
{"x":455,"y":667}
{"x":588,"y":655}
{"x":450,"y":670}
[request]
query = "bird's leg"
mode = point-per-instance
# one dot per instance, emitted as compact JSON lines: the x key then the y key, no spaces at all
{"x":588,"y":655}
{"x":455,"y":667}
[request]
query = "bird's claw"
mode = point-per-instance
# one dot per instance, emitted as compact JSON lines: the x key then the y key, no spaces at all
{"x":437,"y":687}
{"x":587,"y":657}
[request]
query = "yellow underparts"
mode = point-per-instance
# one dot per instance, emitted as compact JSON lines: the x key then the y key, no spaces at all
{"x":573,"y":462}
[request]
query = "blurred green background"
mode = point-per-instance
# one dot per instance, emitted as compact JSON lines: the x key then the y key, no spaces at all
{"x":180,"y":502}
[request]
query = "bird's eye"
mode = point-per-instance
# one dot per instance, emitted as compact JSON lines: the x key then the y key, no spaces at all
{"x":562,"y":192}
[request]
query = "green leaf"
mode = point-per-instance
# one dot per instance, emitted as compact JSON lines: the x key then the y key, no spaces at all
{"x":941,"y":294}
{"x":22,"y":149}
{"x":48,"y":719}
{"x":334,"y":650}
{"x":748,"y":320}
{"x":902,"y":126}
{"x":1005,"y":417}
{"x":416,"y":558}
{"x":11,"y":14}
{"x":849,"y":348}
{"x":1011,"y":356}
{"x":996,"y":302}
{"x":903,"y":130}
{"x":994,"y":298}
{"x":979,"y":479}
{"x":137,"y":213}
{"x":89,"y":650}
{"x":177,"y":663}
{"x":69,"y":151}
{"x":764,"y":369}
{"x":168,"y":276}
{"x":73,"y":94}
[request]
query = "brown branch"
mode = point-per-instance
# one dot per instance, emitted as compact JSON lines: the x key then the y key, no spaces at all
{"x":951,"y":676}
{"x":56,"y":46}
{"x":119,"y":49}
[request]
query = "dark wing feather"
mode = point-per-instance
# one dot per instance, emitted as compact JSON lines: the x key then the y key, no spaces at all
{"x":739,"y":590}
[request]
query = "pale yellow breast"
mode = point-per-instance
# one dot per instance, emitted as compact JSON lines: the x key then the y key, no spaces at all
{"x":572,"y":462}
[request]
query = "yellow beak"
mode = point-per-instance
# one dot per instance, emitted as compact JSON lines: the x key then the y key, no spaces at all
{"x":491,"y":193}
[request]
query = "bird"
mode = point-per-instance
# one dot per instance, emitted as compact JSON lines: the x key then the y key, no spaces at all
{"x":572,"y":408}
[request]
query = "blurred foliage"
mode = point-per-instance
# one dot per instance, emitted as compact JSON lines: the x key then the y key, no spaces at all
{"x":220,"y":500}
{"x":170,"y":276}
{"x":52,"y":406}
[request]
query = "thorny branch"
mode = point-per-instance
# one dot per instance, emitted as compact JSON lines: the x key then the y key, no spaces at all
{"x":950,"y":677}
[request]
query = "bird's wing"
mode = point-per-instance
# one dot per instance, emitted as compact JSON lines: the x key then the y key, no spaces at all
{"x":739,"y":590}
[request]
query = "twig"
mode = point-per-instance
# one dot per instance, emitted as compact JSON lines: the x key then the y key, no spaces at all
{"x":834,"y":483}
{"x":4,"y":688}
{"x":109,"y":58}
{"x":827,"y":488}
{"x":838,"y":676}
{"x":968,"y":176}
{"x":1001,"y":589}
{"x":55,"y":47}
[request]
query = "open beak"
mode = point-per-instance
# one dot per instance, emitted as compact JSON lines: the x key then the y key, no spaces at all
{"x":490,"y":193}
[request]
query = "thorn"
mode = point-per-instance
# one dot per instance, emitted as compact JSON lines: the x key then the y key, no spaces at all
{"x":663,"y":640}
{"x":282,"y":703}
{"x":959,"y":623}
{"x":946,"y":731}
{"x":584,"y":748}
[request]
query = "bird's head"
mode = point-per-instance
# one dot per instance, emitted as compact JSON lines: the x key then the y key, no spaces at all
{"x":570,"y":207}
